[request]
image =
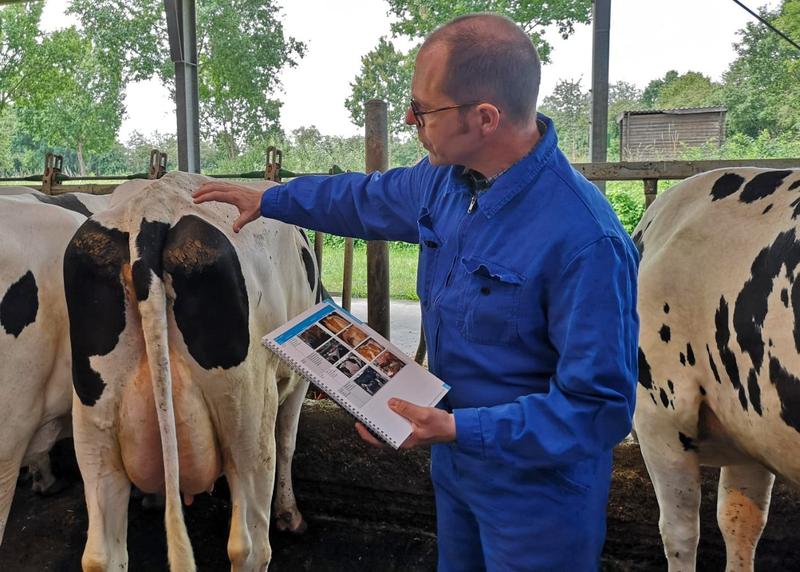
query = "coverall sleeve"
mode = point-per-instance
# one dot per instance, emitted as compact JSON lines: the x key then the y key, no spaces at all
{"x":379,"y":206}
{"x":588,"y":409}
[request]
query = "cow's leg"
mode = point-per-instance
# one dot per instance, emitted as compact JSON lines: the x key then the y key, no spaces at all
{"x":107,"y":490}
{"x":41,"y":471}
{"x":742,"y":507}
{"x":287,"y":514}
{"x":676,"y":479}
{"x":250,"y":470}
{"x":9,"y":471}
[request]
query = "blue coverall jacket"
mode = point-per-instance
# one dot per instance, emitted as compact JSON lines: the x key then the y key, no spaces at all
{"x":529,"y":308}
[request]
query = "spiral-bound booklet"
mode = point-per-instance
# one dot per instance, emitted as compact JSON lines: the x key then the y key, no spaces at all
{"x":356,"y":367}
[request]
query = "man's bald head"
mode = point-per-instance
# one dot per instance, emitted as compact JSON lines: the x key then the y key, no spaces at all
{"x":489,"y":58}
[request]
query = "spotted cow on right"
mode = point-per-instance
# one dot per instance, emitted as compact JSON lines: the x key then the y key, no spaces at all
{"x":719,"y":357}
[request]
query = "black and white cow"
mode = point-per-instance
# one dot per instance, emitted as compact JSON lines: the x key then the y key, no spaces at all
{"x":35,"y":388}
{"x":719,"y":358}
{"x":167,"y":307}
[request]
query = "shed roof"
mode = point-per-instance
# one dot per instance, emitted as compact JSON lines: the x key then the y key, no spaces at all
{"x":677,"y":111}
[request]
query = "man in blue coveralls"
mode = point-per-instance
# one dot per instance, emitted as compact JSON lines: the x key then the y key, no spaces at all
{"x":527,"y":283}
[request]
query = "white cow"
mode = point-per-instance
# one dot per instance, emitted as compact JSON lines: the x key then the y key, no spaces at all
{"x":719,"y":358}
{"x":172,"y":386}
{"x":35,"y":379}
{"x":35,"y":388}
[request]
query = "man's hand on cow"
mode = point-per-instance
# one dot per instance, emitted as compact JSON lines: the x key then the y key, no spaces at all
{"x":247,"y":200}
{"x":428,"y":425}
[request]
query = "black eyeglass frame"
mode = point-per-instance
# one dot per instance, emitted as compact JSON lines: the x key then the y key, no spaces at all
{"x":418,"y":115}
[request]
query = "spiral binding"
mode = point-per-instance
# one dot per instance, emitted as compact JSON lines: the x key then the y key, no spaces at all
{"x":332,"y":394}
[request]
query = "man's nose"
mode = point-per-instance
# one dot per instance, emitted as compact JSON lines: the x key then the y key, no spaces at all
{"x":410,"y":118}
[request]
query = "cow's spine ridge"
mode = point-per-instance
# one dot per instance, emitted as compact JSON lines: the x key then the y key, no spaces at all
{"x":153,"y":311}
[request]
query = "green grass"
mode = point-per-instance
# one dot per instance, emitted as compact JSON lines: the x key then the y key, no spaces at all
{"x":402,"y":271}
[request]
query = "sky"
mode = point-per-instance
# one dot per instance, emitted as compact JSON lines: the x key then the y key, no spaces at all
{"x":648,"y":38}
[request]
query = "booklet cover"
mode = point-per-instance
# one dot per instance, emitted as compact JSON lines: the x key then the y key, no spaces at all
{"x":357,"y":367}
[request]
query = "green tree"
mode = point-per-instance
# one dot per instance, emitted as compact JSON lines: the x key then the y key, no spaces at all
{"x":418,"y":18}
{"x":762,"y":86}
{"x":241,"y":50}
{"x":386,"y":72}
{"x":77,"y":103}
{"x":19,"y":38}
{"x":569,"y":107}
{"x":653,"y":89}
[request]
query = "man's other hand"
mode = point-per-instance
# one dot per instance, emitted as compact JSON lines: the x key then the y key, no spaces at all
{"x":247,"y":200}
{"x":428,"y":425}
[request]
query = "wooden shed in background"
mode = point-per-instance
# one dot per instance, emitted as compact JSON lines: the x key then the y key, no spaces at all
{"x":661,"y":133}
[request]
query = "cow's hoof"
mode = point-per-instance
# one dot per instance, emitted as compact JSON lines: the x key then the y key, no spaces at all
{"x":293,"y":524}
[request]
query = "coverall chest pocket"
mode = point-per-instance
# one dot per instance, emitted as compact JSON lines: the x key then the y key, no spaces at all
{"x":429,"y":245}
{"x":490,"y":303}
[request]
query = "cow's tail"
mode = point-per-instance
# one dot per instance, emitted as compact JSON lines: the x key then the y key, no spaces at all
{"x":153,"y":310}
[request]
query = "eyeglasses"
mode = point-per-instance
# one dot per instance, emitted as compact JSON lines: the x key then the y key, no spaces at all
{"x":418,"y":115}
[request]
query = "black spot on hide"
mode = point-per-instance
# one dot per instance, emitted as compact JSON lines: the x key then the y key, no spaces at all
{"x":726,"y":185}
{"x":149,"y":246}
{"x":785,"y":297}
{"x":645,"y":377}
{"x":308,"y":262}
{"x":663,"y":395}
{"x":671,"y":386}
{"x":653,"y":397}
{"x":754,"y":390}
{"x":794,"y":185}
{"x":752,"y":301}
{"x":95,"y":296}
{"x":788,"y":388}
{"x":713,"y":365}
{"x":303,"y":234}
{"x":690,"y":354}
{"x":666,"y":308}
{"x":762,"y":185}
{"x":20,"y":305}
{"x":687,"y":442}
{"x":702,"y":390}
{"x":664,"y":332}
{"x":67,"y":201}
{"x":766,"y":210}
{"x":638,"y":242}
{"x":682,"y":358}
{"x":211,"y":304}
{"x":723,"y":336}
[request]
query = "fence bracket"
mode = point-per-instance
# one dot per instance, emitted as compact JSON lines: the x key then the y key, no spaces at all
{"x":272,"y":171}
{"x":158,"y":164}
{"x":52,"y":171}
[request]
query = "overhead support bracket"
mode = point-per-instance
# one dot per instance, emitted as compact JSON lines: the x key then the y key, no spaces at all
{"x":183,"y":52}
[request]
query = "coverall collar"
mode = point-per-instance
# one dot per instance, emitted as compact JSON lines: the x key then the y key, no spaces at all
{"x":518,"y":176}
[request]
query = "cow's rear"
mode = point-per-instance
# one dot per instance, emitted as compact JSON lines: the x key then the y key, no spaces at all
{"x":175,"y":390}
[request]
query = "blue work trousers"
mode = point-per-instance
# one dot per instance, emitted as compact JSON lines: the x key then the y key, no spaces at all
{"x":497,"y":518}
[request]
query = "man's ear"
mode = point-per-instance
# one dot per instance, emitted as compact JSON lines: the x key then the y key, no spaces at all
{"x":489,"y":118}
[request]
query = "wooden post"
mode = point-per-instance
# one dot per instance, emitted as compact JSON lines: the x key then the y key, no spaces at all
{"x":650,"y":190}
{"x":319,"y":239}
{"x":347,"y":274}
{"x":376,"y":142}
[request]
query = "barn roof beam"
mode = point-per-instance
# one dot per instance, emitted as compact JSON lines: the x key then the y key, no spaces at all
{"x":182,"y":31}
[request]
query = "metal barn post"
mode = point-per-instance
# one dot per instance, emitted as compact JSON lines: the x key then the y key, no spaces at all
{"x":376,"y":142}
{"x":183,"y":51}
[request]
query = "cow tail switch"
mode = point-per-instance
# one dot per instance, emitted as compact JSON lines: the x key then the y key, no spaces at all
{"x":153,"y":311}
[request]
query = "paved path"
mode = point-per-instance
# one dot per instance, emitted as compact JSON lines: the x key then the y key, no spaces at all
{"x":404,"y":322}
